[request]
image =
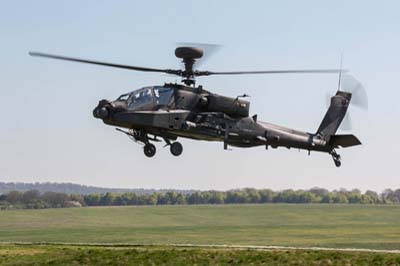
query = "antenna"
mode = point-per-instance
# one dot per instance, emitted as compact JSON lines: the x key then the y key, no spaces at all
{"x":340,"y":70}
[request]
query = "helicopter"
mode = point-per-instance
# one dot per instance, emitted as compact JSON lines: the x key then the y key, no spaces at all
{"x":184,"y":110}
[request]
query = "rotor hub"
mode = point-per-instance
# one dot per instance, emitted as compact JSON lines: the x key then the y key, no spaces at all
{"x":188,"y":56}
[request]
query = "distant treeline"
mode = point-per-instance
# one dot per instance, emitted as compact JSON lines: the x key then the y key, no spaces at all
{"x":33,"y":199}
{"x":71,"y":188}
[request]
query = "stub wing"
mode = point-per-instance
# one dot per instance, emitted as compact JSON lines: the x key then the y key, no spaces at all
{"x":344,"y":141}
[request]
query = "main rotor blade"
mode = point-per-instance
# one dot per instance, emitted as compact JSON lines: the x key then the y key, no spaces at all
{"x":145,"y":69}
{"x":298,"y":71}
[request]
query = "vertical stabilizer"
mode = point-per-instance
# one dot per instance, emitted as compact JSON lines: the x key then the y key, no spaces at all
{"x":335,"y":114}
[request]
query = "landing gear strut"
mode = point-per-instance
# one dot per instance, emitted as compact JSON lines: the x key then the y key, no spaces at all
{"x":336,"y":158}
{"x":142,"y":137}
{"x":174,"y":147}
{"x":149,"y":149}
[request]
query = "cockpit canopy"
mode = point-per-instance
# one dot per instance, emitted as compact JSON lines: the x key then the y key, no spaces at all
{"x":148,"y":98}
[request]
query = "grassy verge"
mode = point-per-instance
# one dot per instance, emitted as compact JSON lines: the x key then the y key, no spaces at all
{"x":159,"y":255}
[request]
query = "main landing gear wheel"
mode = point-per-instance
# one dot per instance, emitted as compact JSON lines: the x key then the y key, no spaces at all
{"x":149,"y":150}
{"x":176,"y":148}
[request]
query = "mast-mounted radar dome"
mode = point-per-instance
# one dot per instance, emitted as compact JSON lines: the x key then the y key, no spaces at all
{"x":189,"y":52}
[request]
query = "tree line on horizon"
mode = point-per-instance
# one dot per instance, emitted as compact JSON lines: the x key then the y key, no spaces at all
{"x":72,"y":188}
{"x":34,"y":199}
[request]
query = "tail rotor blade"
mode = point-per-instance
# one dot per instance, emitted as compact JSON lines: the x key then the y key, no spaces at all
{"x":328,"y":99}
{"x":359,"y":94}
{"x":346,"y":122}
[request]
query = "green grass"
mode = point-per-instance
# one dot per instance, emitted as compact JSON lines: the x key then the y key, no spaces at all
{"x":343,"y":226}
{"x":71,"y":255}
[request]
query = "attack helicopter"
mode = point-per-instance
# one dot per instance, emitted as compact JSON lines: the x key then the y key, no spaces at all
{"x":171,"y":111}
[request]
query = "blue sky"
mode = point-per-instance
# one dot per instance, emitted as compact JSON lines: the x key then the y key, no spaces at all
{"x":48,"y":132}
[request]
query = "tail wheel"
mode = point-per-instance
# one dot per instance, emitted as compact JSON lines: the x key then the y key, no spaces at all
{"x":337,"y":162}
{"x":336,"y":158}
{"x":149,"y":150}
{"x":176,"y":148}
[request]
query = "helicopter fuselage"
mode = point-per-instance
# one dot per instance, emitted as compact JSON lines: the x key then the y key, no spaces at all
{"x":173,"y":111}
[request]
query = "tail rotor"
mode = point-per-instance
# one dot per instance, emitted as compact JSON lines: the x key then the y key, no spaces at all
{"x":359,"y":98}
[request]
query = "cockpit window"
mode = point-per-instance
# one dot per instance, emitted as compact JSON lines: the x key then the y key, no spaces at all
{"x":140,"y":97}
{"x":149,"y":98}
{"x":163,"y":95}
{"x":123,"y":97}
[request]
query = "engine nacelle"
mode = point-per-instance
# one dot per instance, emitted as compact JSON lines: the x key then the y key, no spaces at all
{"x":234,"y":107}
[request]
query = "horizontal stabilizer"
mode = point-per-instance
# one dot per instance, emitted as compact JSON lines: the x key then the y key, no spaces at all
{"x":344,"y":141}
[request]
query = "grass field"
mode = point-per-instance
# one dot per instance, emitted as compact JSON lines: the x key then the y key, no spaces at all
{"x":72,"y":255}
{"x":343,"y":226}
